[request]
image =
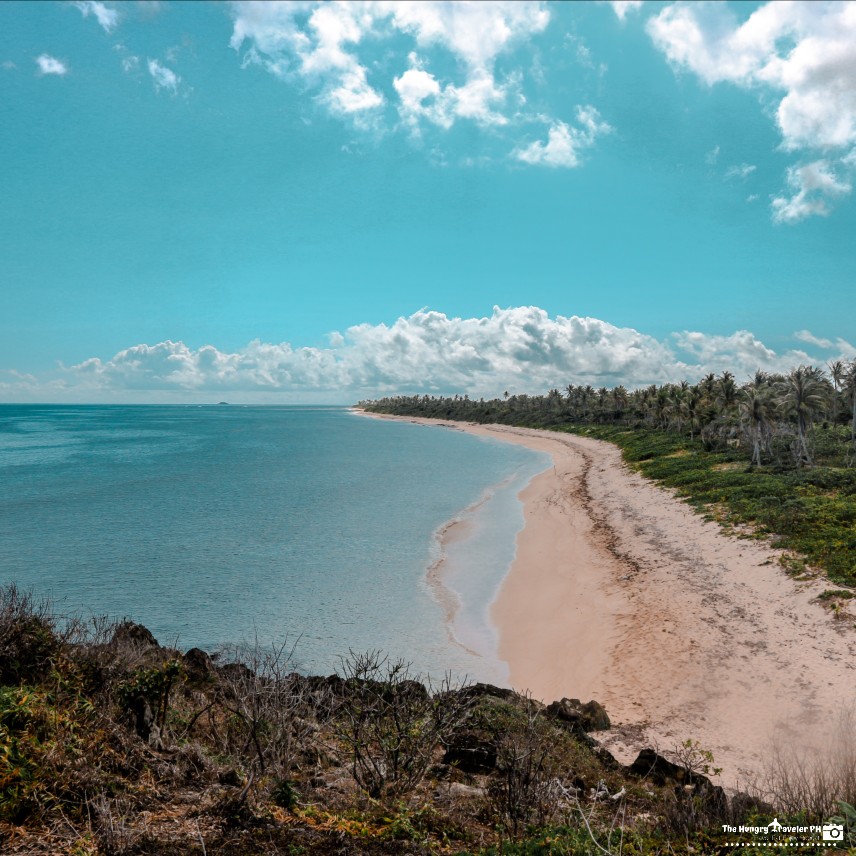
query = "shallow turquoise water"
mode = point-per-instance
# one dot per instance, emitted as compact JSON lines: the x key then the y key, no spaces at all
{"x":214,"y":525}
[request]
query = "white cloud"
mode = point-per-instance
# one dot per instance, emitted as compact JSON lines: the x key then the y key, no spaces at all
{"x":419,"y":96}
{"x":163,"y":77}
{"x":321,"y":44}
{"x":806,"y":50}
{"x":844,"y":350}
{"x":742,"y":171}
{"x":106,"y":17}
{"x":565,"y":142}
{"x":622,"y":7}
{"x":812,"y":185}
{"x":522,"y":349}
{"x":130,"y":63}
{"x":802,"y":53}
{"x":712,"y":156}
{"x":811,"y":339}
{"x":51,"y":65}
{"x":8,"y":65}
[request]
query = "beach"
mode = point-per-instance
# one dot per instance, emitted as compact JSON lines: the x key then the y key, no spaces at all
{"x":620,"y":592}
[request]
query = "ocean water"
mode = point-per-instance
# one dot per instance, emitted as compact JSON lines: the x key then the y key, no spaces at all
{"x":221,"y":525}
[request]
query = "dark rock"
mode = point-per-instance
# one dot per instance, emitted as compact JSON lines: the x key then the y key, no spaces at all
{"x":470,"y":753}
{"x":143,"y":717}
{"x":412,"y":689}
{"x":586,"y":717}
{"x":604,"y":756}
{"x":135,"y":634}
{"x":230,"y":777}
{"x":198,"y":665}
{"x":477,"y":691}
{"x":661,"y":771}
{"x":236,"y":673}
{"x":744,"y":805}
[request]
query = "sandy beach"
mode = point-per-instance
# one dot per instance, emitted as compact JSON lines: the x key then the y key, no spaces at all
{"x":622,"y":593}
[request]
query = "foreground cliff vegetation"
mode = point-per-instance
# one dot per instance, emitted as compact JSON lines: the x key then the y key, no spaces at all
{"x":111,"y":744}
{"x":777,"y":453}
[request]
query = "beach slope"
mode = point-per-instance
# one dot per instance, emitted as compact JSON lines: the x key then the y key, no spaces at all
{"x":621,"y":592}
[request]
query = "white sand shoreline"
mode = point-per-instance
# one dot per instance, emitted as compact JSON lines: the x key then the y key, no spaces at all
{"x":620,"y":592}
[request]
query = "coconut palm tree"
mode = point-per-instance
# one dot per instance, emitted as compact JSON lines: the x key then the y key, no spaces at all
{"x":849,"y":390}
{"x":757,"y":406}
{"x":726,"y":393}
{"x":803,"y":395}
{"x":838,"y":373}
{"x":619,"y":402}
{"x":691,"y":409}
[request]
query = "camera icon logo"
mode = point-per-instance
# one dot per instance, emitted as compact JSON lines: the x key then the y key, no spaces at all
{"x":833,"y":832}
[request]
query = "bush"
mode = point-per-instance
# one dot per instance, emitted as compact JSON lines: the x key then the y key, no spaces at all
{"x":813,"y":783}
{"x":390,"y":724}
{"x":28,"y":642}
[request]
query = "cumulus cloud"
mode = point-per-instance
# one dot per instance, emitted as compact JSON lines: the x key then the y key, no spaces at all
{"x":564,"y":142}
{"x":51,"y":65}
{"x":320,"y":44}
{"x":622,"y":7}
{"x":163,"y":77}
{"x":811,"y":185}
{"x":803,"y":53}
{"x":521,"y":349}
{"x":106,"y":17}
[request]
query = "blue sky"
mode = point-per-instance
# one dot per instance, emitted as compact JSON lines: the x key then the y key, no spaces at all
{"x":320,"y":202}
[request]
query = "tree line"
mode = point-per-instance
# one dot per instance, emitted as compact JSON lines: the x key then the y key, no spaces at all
{"x":772,"y":418}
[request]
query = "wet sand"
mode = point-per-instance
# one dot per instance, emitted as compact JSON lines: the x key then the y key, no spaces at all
{"x":620,"y":592}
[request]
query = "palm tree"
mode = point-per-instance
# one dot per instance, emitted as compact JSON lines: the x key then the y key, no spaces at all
{"x":619,"y":402}
{"x":838,"y":373}
{"x":690,"y":408}
{"x":803,"y":395}
{"x":726,"y":395}
{"x":756,"y":408}
{"x":849,"y":390}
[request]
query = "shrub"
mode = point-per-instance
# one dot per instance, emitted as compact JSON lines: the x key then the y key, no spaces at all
{"x":28,"y":642}
{"x":390,"y":724}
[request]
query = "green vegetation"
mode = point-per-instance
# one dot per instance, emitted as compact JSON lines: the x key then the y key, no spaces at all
{"x":774,"y":457}
{"x":111,"y":744}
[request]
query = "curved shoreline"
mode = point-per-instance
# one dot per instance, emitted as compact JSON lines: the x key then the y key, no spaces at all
{"x":621,"y":592}
{"x":446,"y":597}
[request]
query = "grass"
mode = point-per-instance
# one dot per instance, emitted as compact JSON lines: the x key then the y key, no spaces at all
{"x":809,"y":511}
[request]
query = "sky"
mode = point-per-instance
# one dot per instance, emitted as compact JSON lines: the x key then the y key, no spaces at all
{"x":322,"y":202}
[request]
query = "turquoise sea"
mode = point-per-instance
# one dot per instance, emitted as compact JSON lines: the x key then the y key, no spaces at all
{"x":218,"y":525}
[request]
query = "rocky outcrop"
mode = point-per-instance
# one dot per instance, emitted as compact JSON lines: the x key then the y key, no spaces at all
{"x":686,"y":781}
{"x":129,"y":632}
{"x":590,"y":716}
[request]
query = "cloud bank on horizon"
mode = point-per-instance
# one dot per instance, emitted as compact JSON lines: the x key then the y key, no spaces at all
{"x":266,"y":171}
{"x":520,"y":349}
